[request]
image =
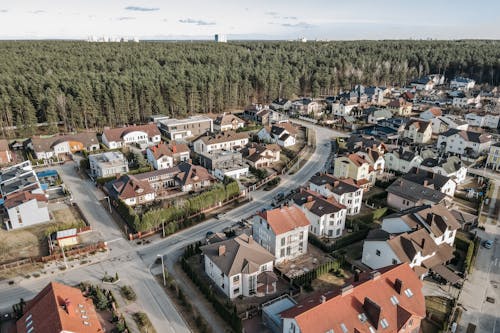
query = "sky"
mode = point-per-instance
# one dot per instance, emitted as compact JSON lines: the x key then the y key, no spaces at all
{"x":250,"y":19}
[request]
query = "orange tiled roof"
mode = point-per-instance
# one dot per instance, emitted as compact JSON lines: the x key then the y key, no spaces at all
{"x":60,"y":308}
{"x":285,"y":219}
{"x":371,"y":296}
{"x":18,"y":198}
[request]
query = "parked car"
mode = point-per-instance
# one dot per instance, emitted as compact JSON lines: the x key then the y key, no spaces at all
{"x":488,"y":244}
{"x":208,"y":234}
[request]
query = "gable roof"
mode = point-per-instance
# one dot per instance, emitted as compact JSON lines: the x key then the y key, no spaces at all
{"x":426,"y":178}
{"x":237,"y":255}
{"x":227,"y":119}
{"x":333,"y":184}
{"x":357,"y":159}
{"x":45,"y":144}
{"x":407,"y":245}
{"x":116,"y":134}
{"x":221,"y":137}
{"x":254,"y":151}
{"x":371,"y":295}
{"x":15,"y":199}
{"x":468,"y":135}
{"x":415,"y":192}
{"x":128,"y":186}
{"x":316,"y":203}
{"x":170,"y":149}
{"x":190,"y":174}
{"x":285,"y":219}
{"x":59,"y":308}
{"x":420,"y":125}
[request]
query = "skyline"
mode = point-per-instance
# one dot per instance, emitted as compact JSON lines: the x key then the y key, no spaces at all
{"x":191,"y":19}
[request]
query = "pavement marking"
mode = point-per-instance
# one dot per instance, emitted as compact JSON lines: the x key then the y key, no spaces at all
{"x":113,"y":240}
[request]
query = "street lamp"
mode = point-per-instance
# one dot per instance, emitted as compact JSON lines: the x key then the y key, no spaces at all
{"x":109,"y":204}
{"x":162,"y":270}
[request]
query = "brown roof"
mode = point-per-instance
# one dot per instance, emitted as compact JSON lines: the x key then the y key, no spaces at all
{"x":407,"y":245}
{"x":237,"y":255}
{"x":254,"y":151}
{"x":190,"y":174}
{"x":288,"y":127}
{"x":44,"y":144}
{"x":170,"y":149}
{"x":59,"y":308}
{"x":128,"y":186}
{"x":397,"y":103}
{"x":285,"y":219}
{"x":222,"y":137}
{"x":357,"y":159}
{"x":436,"y":111}
{"x":371,"y":296}
{"x":116,"y":134}
{"x":420,"y":125}
{"x":316,"y":203}
{"x":15,"y":199}
{"x":227,"y":119}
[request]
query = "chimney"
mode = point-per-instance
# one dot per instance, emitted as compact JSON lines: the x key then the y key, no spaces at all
{"x":309,"y":198}
{"x":398,"y":286}
{"x":250,"y":239}
{"x":346,"y":290}
{"x":423,"y":243}
{"x":67,"y":305}
{"x":322,"y":299}
{"x":222,"y":250}
{"x":356,"y":275}
{"x":375,"y":275}
{"x":174,"y":148}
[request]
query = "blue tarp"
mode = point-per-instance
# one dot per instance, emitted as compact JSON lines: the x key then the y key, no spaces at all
{"x":46,"y":173}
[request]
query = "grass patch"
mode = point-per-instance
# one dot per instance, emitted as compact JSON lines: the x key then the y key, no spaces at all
{"x":143,"y":322}
{"x":128,"y":293}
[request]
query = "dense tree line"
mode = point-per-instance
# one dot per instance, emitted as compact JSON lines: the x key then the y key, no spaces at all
{"x":90,"y":85}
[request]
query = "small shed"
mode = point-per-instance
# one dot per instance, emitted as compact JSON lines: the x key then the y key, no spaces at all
{"x":66,"y":237}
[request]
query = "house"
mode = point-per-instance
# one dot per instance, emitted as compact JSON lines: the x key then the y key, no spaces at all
{"x":282,"y":231}
{"x":283,"y":134}
{"x":261,"y":156}
{"x":25,"y":209}
{"x":5,"y":153}
{"x":180,"y":129}
{"x":17,"y":178}
{"x":224,"y":163}
{"x":326,"y":215}
{"x":305,"y":106}
{"x":228,"y":140}
{"x":131,"y":190}
{"x":59,"y":308}
{"x":57,"y":146}
{"x":418,"y":131}
{"x":403,"y":194}
{"x":431,"y":113}
{"x":281,"y":104}
{"x":141,"y":135}
{"x":163,"y":155}
{"x":375,"y":158}
{"x":436,"y":181}
{"x":421,"y":236}
{"x":193,"y":177}
{"x":464,"y":142}
{"x":240,"y":267}
{"x":462,"y":83}
{"x":342,"y":109}
{"x":228,"y":122}
{"x":493,"y":160}
{"x":257,"y":113}
{"x":480,"y":119}
{"x":344,"y":191}
{"x":450,"y":166}
{"x":356,"y":167}
{"x":107,"y":164}
{"x":376,"y":115}
{"x":400,"y":107}
{"x":401,"y":160}
{"x":424,"y":83}
{"x":389,"y":299}
{"x":461,"y":99}
{"x":397,"y":124}
{"x":358,"y":142}
{"x":443,"y":123}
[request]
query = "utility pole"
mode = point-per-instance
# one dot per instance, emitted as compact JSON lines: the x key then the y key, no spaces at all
{"x":163,"y":270}
{"x":64,"y":257}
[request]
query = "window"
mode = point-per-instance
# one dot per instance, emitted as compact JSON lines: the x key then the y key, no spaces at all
{"x":377,"y":253}
{"x":236,"y":291}
{"x":394,"y":261}
{"x":236,"y":278}
{"x":282,"y":253}
{"x":301,"y":235}
{"x":394,"y":300}
{"x":384,"y":323}
{"x":283,"y":241}
{"x":263,"y":268}
{"x":288,"y":250}
{"x":408,"y":292}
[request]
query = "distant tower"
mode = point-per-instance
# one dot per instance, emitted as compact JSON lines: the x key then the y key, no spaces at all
{"x":220,"y":38}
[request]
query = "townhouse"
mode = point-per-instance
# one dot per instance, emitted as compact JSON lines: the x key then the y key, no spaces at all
{"x":482,"y":119}
{"x":450,"y":166}
{"x":164,"y":156}
{"x":356,"y":167}
{"x":240,"y":267}
{"x":281,"y":104}
{"x":282,"y":231}
{"x":141,"y":135}
{"x":418,"y":131}
{"x":464,"y":142}
{"x":401,"y":160}
{"x":228,"y":140}
{"x":462,"y":83}
{"x":389,"y":299}
{"x":344,"y":191}
{"x":57,"y":146}
{"x":257,"y":113}
{"x":180,"y":129}
{"x":403,"y":194}
{"x":228,"y":122}
{"x":326,"y":215}
{"x":375,"y":158}
{"x":107,"y":164}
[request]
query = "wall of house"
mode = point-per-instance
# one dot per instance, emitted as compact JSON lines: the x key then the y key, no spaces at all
{"x":28,"y":213}
{"x":447,"y":237}
{"x":396,"y":202}
{"x":374,"y":259}
{"x":220,"y":279}
{"x":236,"y":174}
{"x":290,"y":326}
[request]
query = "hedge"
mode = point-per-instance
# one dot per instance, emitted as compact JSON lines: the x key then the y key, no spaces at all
{"x":307,"y":278}
{"x":341,"y":242}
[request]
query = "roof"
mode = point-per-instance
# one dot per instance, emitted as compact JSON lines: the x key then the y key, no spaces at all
{"x":335,"y":185}
{"x":468,"y":135}
{"x":446,"y":273}
{"x":463,"y":218}
{"x":285,"y":219}
{"x":44,"y":144}
{"x":420,"y":125}
{"x":397,"y":103}
{"x":222,"y":137}
{"x":15,"y":199}
{"x":358,"y":160}
{"x":407,"y":245}
{"x":116,"y":134}
{"x":341,"y":312}
{"x":190,"y":174}
{"x":254,"y":151}
{"x":414,"y":192}
{"x":227,"y":119}
{"x":316,"y":203}
{"x":426,"y":178}
{"x":286,"y":126}
{"x":237,"y":255}
{"x":59,"y":308}
{"x":128,"y":186}
{"x":170,"y":149}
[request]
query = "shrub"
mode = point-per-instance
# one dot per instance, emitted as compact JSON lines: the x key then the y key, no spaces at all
{"x":128,"y":293}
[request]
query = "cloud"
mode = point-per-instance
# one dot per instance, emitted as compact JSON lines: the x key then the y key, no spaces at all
{"x":272,"y":13}
{"x":3,"y":10}
{"x":290,"y":18}
{"x":39,"y":11}
{"x":197,"y":22}
{"x":126,"y":18}
{"x":301,"y":25}
{"x":142,"y":9}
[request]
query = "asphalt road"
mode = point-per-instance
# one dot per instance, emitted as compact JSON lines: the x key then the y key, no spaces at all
{"x":133,"y":262}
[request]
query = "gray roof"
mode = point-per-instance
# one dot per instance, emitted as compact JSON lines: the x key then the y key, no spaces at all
{"x":421,"y":176}
{"x":415,"y":192}
{"x":316,"y":204}
{"x":242,"y":255}
{"x":335,"y":185}
{"x":468,"y":135}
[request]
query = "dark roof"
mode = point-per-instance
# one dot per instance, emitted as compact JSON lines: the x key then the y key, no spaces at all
{"x":420,"y":125}
{"x":415,"y":192}
{"x":427,"y":178}
{"x":468,"y":135}
{"x":335,"y":185}
{"x":378,"y":235}
{"x":317,"y":204}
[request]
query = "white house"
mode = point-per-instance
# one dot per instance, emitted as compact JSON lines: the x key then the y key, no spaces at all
{"x":142,"y":135}
{"x":240,"y":267}
{"x":343,"y":109}
{"x":493,"y":160}
{"x":483,"y":120}
{"x":228,"y":122}
{"x":164,"y":156}
{"x":282,"y":231}
{"x":464,"y":142}
{"x":378,"y":115}
{"x":427,"y":178}
{"x":180,"y":129}
{"x":326,"y":215}
{"x":401,"y":160}
{"x":46,"y":147}
{"x":305,"y":106}
{"x":228,"y":140}
{"x":25,"y":209}
{"x":462,"y":100}
{"x":462,"y":83}
{"x":443,"y":123}
{"x":451,"y":167}
{"x":283,"y":134}
{"x":375,"y":158}
{"x":419,"y":131}
{"x":344,"y":191}
{"x":431,"y":113}
{"x":107,"y":164}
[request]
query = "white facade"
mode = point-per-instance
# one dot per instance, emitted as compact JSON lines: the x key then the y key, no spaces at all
{"x":288,"y":142}
{"x":231,"y":144}
{"x":486,"y":120}
{"x":395,"y":163}
{"x":163,"y":162}
{"x":413,"y":132}
{"x":352,"y":200}
{"x":493,"y":161}
{"x":377,"y":254}
{"x":326,"y":225}
{"x":341,"y":109}
{"x":462,"y":83}
{"x":108,"y":164}
{"x":27,"y":214}
{"x":458,"y":145}
{"x":235,"y":173}
{"x":285,"y":246}
{"x":140,"y":199}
